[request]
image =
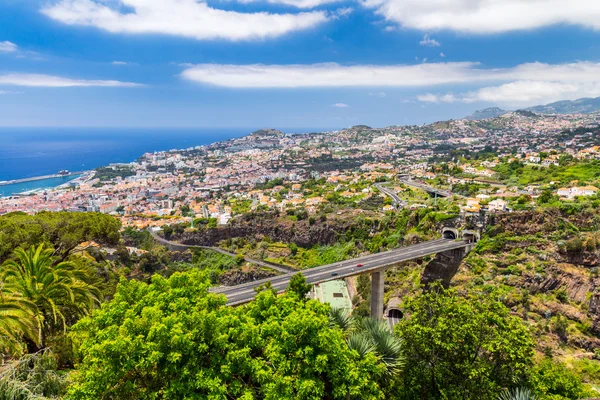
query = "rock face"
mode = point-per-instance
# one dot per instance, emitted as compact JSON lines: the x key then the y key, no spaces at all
{"x":577,"y":285}
{"x":237,"y":277}
{"x":594,"y":310}
{"x":299,"y":233}
{"x":442,"y":268}
{"x":260,"y":225}
{"x":531,"y":222}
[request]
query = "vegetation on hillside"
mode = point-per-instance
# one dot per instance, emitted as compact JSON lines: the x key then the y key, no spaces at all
{"x":514,"y":321}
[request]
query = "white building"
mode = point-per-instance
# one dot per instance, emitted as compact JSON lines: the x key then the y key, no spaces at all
{"x":497,"y":205}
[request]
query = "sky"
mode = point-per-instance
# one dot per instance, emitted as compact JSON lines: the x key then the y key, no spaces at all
{"x":290,"y":64}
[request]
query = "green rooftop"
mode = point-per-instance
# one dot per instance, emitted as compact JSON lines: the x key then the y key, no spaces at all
{"x":335,"y":293}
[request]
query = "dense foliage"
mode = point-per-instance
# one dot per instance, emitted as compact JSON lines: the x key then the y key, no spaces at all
{"x":61,"y":230}
{"x":172,"y":339}
{"x":162,"y":334}
{"x":462,"y":347}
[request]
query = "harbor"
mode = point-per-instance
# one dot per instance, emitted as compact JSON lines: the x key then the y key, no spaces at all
{"x":26,"y":186}
{"x":60,"y":174}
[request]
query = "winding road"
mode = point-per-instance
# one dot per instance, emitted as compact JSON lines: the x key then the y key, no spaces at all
{"x":174,"y":246}
{"x":397,"y":202}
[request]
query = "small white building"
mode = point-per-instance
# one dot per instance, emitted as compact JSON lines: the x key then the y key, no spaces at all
{"x":497,"y":205}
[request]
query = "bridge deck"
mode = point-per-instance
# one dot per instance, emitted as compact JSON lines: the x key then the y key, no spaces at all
{"x":244,"y":293}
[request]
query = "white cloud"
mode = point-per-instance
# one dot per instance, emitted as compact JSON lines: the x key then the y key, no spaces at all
{"x":295,"y":3}
{"x":530,"y":83}
{"x":330,"y":75}
{"x":122,"y":63}
{"x":487,"y":16}
{"x":187,"y":18}
{"x":436,"y":98}
{"x":390,"y":28}
{"x":429,"y":41}
{"x":442,"y":55}
{"x":342,"y":12}
{"x":519,"y":93}
{"x":340,"y":105}
{"x":378,"y":94}
{"x":528,"y":93}
{"x":8,"y":47}
{"x":38,"y":80}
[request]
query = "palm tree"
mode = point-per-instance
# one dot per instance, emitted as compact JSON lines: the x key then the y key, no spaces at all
{"x":52,"y":289}
{"x":517,"y":394}
{"x":17,"y":321}
{"x":370,"y":336}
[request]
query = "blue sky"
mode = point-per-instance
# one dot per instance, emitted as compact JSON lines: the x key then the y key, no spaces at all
{"x":289,"y":63}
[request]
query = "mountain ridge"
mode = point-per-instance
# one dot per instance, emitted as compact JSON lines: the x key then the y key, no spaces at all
{"x":585,"y":105}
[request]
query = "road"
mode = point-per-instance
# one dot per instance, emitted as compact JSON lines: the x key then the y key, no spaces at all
{"x":244,"y":293}
{"x":178,"y":246}
{"x":429,"y":189}
{"x":397,"y":202}
{"x":392,"y":321}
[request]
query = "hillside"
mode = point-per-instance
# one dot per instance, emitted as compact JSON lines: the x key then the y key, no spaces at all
{"x":579,"y":106}
{"x":486,"y":113}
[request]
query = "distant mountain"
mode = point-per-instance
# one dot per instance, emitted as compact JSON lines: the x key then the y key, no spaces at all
{"x":526,"y":112}
{"x":266,"y":132}
{"x":579,"y":106}
{"x":486,"y":113}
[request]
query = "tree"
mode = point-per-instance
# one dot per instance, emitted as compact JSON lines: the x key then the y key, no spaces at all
{"x":554,"y":380}
{"x":376,"y":337}
{"x":240,"y":259}
{"x":17,"y":321}
{"x":299,"y":286}
{"x":466,"y":347}
{"x":172,"y":339}
{"x":52,"y":289}
{"x":62,"y":230}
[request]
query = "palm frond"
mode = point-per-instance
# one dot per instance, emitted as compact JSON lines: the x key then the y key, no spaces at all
{"x":361,"y":343}
{"x":517,"y":394}
{"x":341,"y":318}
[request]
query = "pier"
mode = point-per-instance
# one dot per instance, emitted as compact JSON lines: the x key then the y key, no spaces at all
{"x":40,"y":178}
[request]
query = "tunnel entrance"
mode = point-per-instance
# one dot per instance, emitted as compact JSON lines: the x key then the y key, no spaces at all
{"x":395,"y":313}
{"x":471,"y":236}
{"x":449,"y":233}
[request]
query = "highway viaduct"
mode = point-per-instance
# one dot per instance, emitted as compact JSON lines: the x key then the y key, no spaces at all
{"x":449,"y":250}
{"x":452,"y":247}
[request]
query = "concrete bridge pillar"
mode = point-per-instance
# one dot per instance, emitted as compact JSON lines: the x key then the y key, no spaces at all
{"x":377,"y":294}
{"x":443,"y":267}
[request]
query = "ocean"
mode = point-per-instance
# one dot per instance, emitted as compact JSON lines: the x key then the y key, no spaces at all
{"x":29,"y":152}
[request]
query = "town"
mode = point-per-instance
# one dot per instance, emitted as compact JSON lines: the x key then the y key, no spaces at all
{"x":336,"y":171}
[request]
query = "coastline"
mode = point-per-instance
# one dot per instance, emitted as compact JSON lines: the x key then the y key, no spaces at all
{"x":30,"y":186}
{"x":40,"y":178}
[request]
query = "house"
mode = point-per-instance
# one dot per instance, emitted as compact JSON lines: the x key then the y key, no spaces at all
{"x":588,"y":190}
{"x":497,"y":205}
{"x":472,"y":206}
{"x":224,"y":218}
{"x":313,"y":201}
{"x":577,"y":191}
